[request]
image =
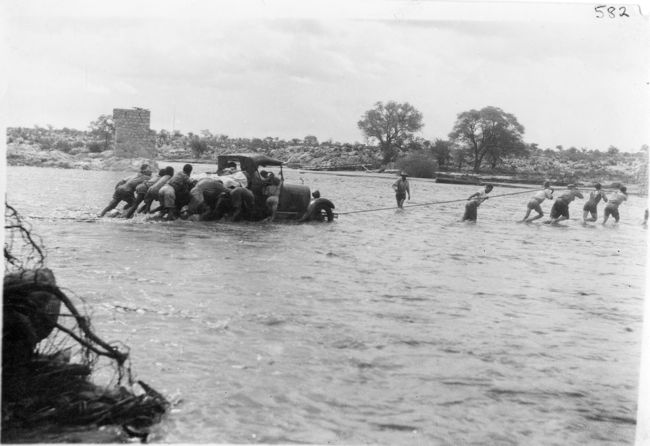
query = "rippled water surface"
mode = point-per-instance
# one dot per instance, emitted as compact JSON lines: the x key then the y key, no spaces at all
{"x":388,"y":327}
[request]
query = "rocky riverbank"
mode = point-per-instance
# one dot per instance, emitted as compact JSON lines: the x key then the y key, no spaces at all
{"x":31,"y":155}
{"x":531,"y":171}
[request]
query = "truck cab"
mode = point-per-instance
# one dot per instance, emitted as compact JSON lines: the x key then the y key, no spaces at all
{"x":295,"y":201}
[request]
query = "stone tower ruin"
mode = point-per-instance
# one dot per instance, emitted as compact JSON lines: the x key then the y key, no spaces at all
{"x":133,"y":137}
{"x":642,"y":177}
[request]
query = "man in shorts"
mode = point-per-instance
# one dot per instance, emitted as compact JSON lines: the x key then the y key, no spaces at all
{"x":401,"y":188}
{"x":151,"y":194}
{"x":535,"y":202}
{"x":614,"y":202}
{"x":475,"y":201}
{"x":140,"y":191}
{"x":560,"y":209}
{"x":591,"y":205}
{"x":125,"y":189}
{"x":175,"y":193}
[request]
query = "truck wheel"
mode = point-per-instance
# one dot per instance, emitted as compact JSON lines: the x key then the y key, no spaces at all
{"x":323,"y":212}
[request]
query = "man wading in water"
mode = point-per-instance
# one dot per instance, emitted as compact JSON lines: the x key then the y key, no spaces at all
{"x":560,"y":209}
{"x":125,"y":189}
{"x":614,"y":202}
{"x":401,"y":188}
{"x":591,"y":205}
{"x":175,"y":193}
{"x":475,"y":201}
{"x":536,"y":201}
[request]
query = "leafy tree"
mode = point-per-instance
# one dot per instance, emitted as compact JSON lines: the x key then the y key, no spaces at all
{"x":311,"y":141}
{"x":163,"y":138}
{"x":103,"y":128}
{"x":459,"y":156}
{"x":516,"y":149}
{"x":572,"y":154}
{"x":392,"y":125}
{"x":441,"y":151}
{"x":417,"y":145}
{"x":489,"y":130}
{"x":612,"y":151}
{"x":270,"y":142}
{"x":198,"y":146}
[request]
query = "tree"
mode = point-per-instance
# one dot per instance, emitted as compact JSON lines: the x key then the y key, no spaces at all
{"x":489,"y":130}
{"x":441,"y":151}
{"x":270,"y":143}
{"x":163,"y":138}
{"x":534,"y":148}
{"x":459,"y":157}
{"x":572,"y":154}
{"x":198,"y":146}
{"x":392,"y":125}
{"x":104,"y":129}
{"x":311,"y":140}
{"x":496,"y":154}
{"x":612,"y":151}
{"x":417,"y":145}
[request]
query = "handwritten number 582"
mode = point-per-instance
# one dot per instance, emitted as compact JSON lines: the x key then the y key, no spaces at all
{"x":603,"y":11}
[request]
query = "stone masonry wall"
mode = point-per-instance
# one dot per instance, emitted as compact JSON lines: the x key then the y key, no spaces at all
{"x":642,"y":177}
{"x":133,"y":138}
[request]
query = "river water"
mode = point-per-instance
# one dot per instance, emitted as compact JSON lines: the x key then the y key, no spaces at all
{"x":387,"y":327}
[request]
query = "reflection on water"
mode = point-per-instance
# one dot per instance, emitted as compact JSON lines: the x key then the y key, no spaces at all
{"x":391,"y":327}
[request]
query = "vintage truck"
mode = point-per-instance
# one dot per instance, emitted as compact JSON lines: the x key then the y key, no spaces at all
{"x":295,"y":201}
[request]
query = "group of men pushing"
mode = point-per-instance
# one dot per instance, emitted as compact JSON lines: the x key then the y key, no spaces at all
{"x":180,"y":196}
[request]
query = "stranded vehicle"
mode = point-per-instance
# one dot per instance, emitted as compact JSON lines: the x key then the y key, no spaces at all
{"x":295,"y":201}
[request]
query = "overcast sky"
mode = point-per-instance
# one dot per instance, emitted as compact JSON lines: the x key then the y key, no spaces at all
{"x":291,"y":69}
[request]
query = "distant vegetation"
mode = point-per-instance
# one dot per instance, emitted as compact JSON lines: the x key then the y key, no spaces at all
{"x":487,"y":141}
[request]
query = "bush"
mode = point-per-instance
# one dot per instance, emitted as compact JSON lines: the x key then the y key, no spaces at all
{"x":63,"y":146}
{"x":45,"y":143}
{"x":198,"y":147}
{"x":95,"y":147}
{"x":418,"y":165}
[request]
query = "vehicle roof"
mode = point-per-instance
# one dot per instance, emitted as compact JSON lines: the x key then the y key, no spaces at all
{"x":248,"y":161}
